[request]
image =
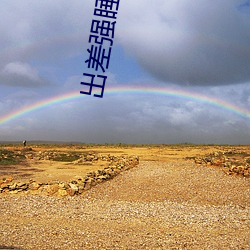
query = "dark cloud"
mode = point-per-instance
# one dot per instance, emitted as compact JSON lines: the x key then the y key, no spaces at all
{"x":188,"y":42}
{"x":43,"y":30}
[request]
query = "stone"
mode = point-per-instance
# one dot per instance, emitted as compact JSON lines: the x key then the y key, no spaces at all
{"x":62,"y":192}
{"x":90,"y":157}
{"x":34,"y":186}
{"x":4,"y":185}
{"x":9,"y":179}
{"x":87,"y":185}
{"x":228,"y":164}
{"x":80,"y":188}
{"x":52,"y":189}
{"x":70,"y":191}
{"x":232,"y":168}
{"x":22,"y":185}
{"x":102,"y":177}
{"x":14,"y":191}
{"x":29,"y":156}
{"x":233,"y":163}
{"x":74,"y":187}
{"x":81,"y":160}
{"x":78,"y":184}
{"x":13,"y":186}
{"x":79,"y":178}
{"x":246,"y":173}
{"x":91,"y":174}
{"x":62,"y":185}
{"x":198,"y":161}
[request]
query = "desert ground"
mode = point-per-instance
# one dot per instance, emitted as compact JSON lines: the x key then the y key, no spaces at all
{"x":102,"y":197}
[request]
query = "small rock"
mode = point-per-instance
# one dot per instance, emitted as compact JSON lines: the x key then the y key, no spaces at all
{"x":52,"y":189}
{"x":62,"y":185}
{"x":13,"y":186}
{"x":22,"y":185}
{"x":74,"y":187}
{"x":34,"y":186}
{"x":62,"y":192}
{"x":4,"y":185}
{"x":102,"y":177}
{"x":14,"y":191}
{"x":70,"y":191}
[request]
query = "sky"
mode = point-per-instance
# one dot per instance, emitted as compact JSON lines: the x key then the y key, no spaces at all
{"x":179,"y":72}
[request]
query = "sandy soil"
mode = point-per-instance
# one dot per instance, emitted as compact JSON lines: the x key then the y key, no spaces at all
{"x":167,"y":202}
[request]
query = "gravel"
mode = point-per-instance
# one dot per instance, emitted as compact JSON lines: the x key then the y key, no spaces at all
{"x":171,"y":205}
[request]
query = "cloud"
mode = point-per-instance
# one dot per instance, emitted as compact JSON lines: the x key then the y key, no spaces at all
{"x":183,"y":42}
{"x":132,"y":118}
{"x":43,"y":30}
{"x":188,"y":42}
{"x":20,"y":74}
{"x":38,"y":37}
{"x":191,"y":42}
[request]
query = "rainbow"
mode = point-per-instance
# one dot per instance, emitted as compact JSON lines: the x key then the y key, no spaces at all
{"x":131,"y":91}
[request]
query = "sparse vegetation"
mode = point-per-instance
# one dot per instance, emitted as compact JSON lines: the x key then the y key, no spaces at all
{"x":66,"y":157}
{"x":8,"y":157}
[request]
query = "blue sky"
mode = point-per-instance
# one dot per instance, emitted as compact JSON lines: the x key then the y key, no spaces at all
{"x":184,"y":45}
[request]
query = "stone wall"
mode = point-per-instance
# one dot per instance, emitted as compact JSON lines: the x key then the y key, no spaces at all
{"x":232,"y":163}
{"x":76,"y":186}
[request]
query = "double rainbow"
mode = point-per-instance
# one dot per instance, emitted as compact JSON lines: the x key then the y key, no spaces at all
{"x":128,"y":91}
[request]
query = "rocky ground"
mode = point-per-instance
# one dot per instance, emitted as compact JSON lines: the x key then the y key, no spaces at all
{"x":113,"y":166}
{"x":232,"y":162}
{"x":166,"y":202}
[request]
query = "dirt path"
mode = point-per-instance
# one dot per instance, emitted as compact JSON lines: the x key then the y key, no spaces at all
{"x":158,"y":205}
{"x":178,"y":181}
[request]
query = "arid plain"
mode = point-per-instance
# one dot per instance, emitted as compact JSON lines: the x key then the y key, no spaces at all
{"x":124,"y":197}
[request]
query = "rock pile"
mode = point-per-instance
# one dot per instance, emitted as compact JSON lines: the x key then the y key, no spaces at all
{"x":52,"y":155}
{"x":29,"y":153}
{"x":76,"y":186}
{"x":72,"y":156}
{"x":233,"y":163}
{"x":62,"y":156}
{"x":8,"y":157}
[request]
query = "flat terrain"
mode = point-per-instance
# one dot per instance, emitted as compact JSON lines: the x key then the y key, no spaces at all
{"x":166,"y":202}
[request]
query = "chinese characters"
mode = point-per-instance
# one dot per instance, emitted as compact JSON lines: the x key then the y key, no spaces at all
{"x":101,"y":40}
